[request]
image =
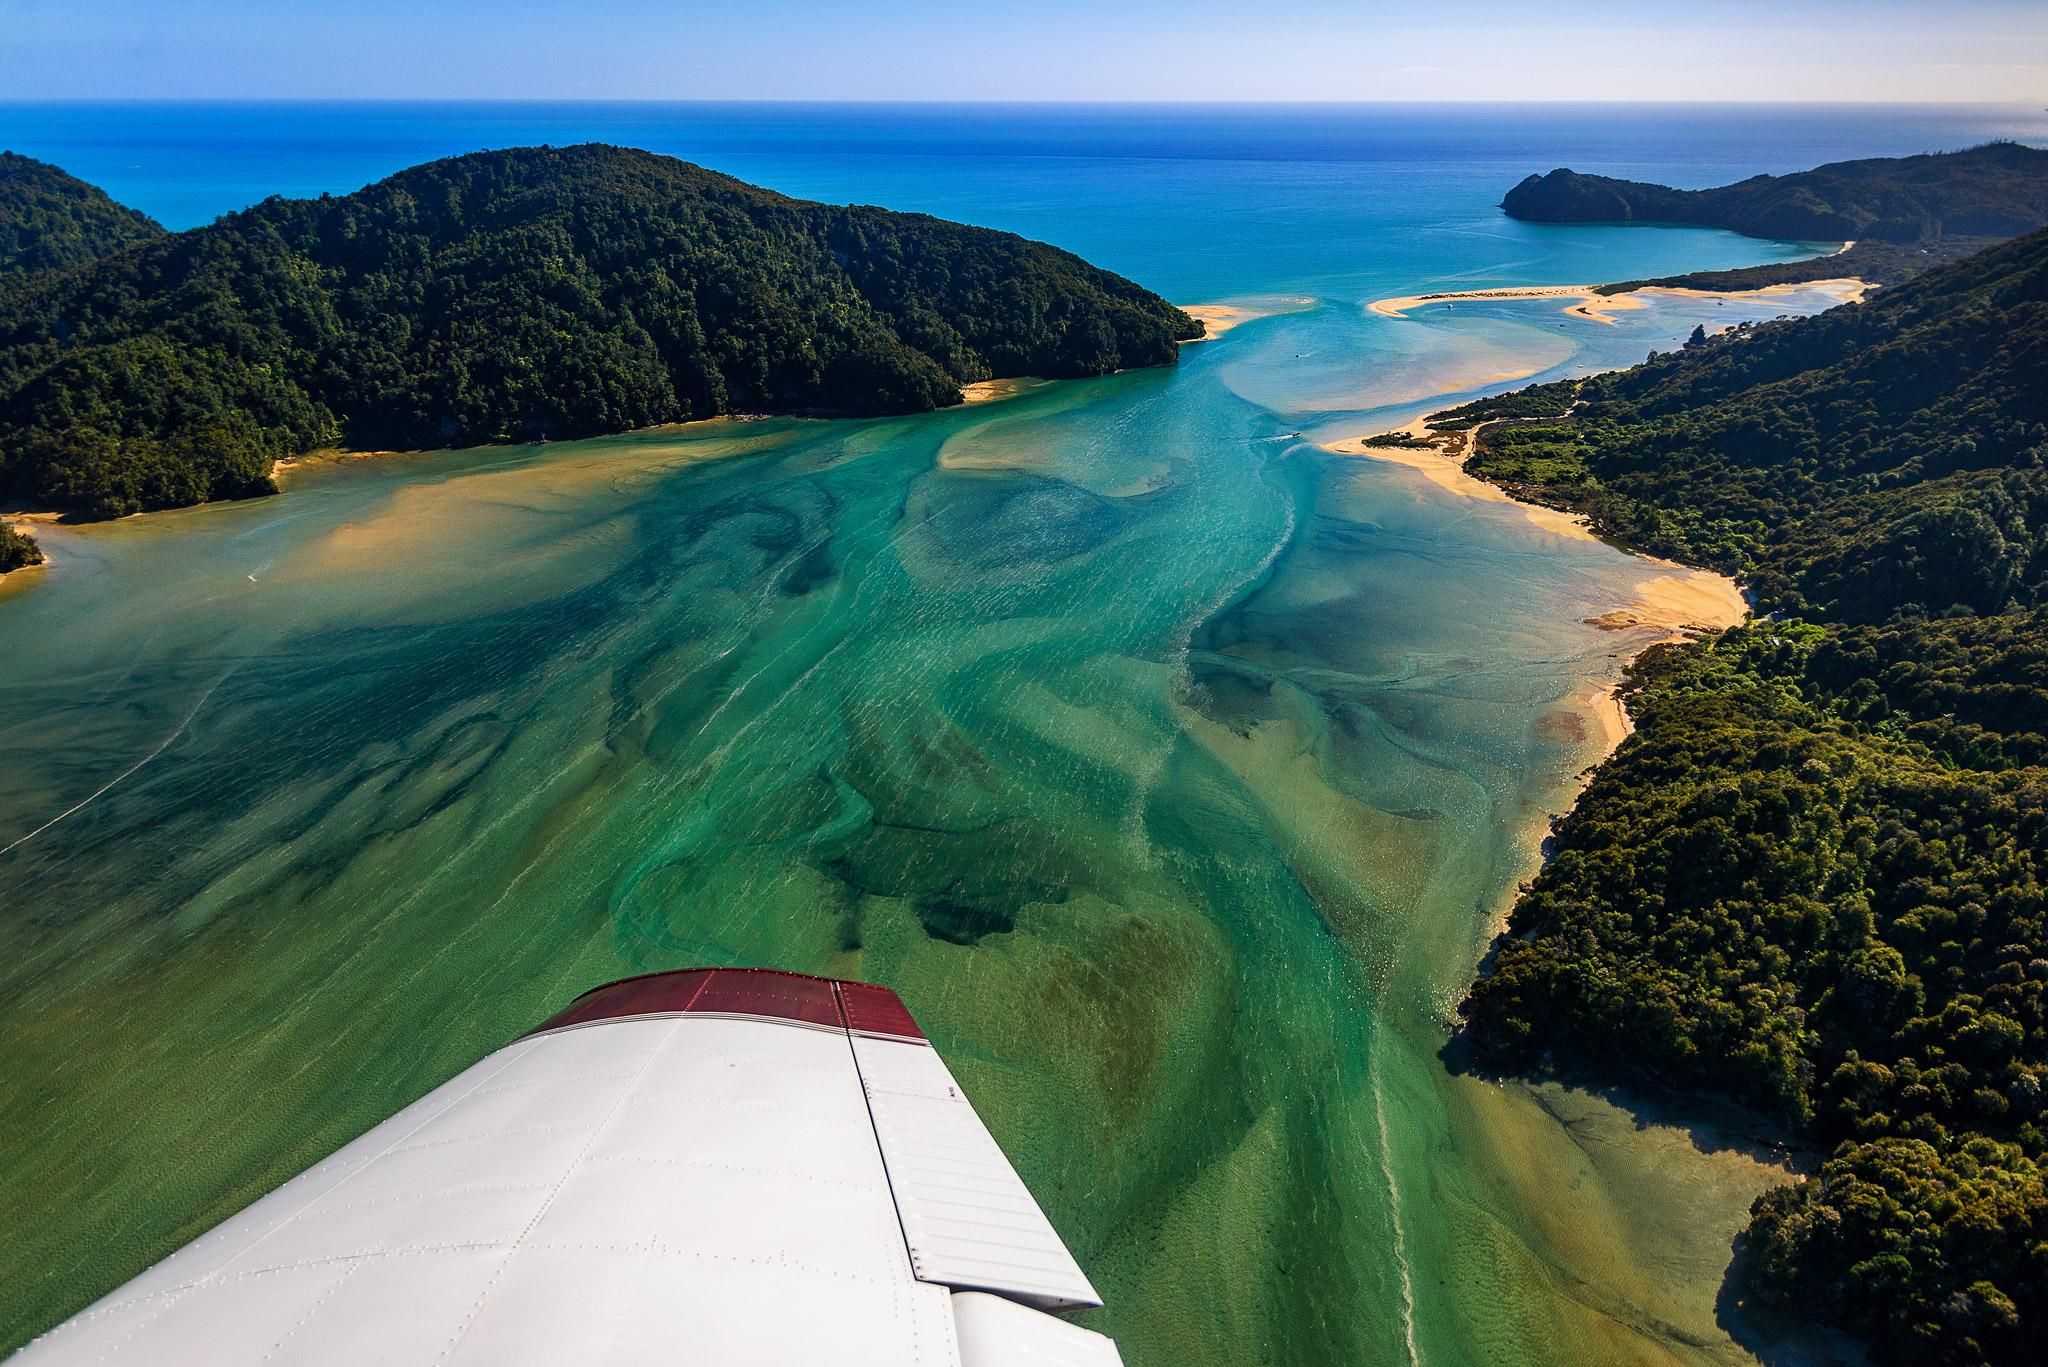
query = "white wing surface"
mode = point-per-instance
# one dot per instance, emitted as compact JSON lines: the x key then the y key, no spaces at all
{"x":717,"y":1166}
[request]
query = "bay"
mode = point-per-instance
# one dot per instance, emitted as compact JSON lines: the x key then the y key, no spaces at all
{"x":1175,"y":770}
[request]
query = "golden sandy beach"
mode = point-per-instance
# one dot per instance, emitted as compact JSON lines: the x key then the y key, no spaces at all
{"x":988,"y":391}
{"x":1584,"y":301}
{"x":1221,"y":318}
{"x":1217,"y":318}
{"x":1448,"y":473}
{"x":1675,"y":602}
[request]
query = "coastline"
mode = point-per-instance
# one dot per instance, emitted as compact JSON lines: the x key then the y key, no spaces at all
{"x":1672,"y":603}
{"x":1219,"y":318}
{"x":1621,"y":1134}
{"x":27,"y":524}
{"x":1216,"y":319}
{"x":990,"y":391}
{"x":1446,"y":469}
{"x":332,"y":455}
{"x":284,"y":468}
{"x":1586,"y":301}
{"x":1677,"y":602}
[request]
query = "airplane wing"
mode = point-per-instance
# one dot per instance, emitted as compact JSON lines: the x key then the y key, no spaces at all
{"x":719,"y":1166}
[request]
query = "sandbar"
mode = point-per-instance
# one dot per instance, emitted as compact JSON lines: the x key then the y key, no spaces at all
{"x":988,"y":391}
{"x":1585,"y":301}
{"x":1675,"y":603}
{"x":1445,"y":469}
{"x":1221,"y":318}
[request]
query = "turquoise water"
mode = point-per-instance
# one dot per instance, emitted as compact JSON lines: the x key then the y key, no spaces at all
{"x":1174,"y":769}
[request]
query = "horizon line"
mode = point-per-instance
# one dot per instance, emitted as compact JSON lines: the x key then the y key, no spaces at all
{"x":936,"y":101}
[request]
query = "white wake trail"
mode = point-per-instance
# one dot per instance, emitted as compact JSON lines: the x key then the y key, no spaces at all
{"x":121,"y":777}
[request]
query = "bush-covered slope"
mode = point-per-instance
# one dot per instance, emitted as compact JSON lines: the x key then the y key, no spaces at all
{"x":1874,"y":458}
{"x":503,"y":295}
{"x":51,"y":220}
{"x":1997,"y":190}
{"x":1870,"y":260}
{"x":1817,"y":875}
{"x":16,"y":550}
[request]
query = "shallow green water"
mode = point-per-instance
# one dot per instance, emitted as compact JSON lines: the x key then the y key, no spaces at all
{"x":1171,"y":769}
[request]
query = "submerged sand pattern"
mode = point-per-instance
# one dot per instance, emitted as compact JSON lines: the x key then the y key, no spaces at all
{"x":1174,"y":771}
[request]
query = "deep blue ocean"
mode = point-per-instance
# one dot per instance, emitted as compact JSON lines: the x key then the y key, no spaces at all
{"x":1196,"y":201}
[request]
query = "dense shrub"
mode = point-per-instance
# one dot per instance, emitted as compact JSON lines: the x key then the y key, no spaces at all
{"x":1817,"y":875}
{"x":513,"y":295}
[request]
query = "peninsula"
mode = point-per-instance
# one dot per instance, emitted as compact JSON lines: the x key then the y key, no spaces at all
{"x":1899,"y":216}
{"x":519,"y":295}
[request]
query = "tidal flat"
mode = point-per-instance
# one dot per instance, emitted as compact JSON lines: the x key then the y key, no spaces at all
{"x":1174,"y":769}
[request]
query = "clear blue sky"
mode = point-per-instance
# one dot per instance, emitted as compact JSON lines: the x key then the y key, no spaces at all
{"x":1995,"y":50}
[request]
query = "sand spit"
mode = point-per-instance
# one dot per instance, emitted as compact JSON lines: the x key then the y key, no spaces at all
{"x":1674,"y":603}
{"x":330,"y":456}
{"x":1221,"y":318}
{"x":1585,"y":301}
{"x":989,"y":391}
{"x":1580,"y":299}
{"x":1445,"y":468}
{"x":1677,"y":602}
{"x":1216,"y":318}
{"x":1844,"y":289}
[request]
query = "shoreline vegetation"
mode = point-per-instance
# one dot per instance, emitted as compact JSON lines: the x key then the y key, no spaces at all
{"x":1216,"y":319}
{"x":1807,"y":876}
{"x":531,"y":294}
{"x":18,"y":550}
{"x":1679,"y":602}
{"x":1809,"y":881}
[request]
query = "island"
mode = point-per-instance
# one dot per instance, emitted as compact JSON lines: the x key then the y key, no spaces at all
{"x":1815,"y":878}
{"x":520,"y":295}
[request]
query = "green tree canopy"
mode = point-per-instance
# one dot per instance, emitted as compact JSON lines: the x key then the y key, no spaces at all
{"x":541,"y":292}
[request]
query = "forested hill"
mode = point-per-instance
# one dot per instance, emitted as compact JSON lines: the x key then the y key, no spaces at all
{"x":1816,"y":877}
{"x":1868,"y":460}
{"x":1998,"y":190}
{"x":49,"y":219}
{"x":542,"y":292}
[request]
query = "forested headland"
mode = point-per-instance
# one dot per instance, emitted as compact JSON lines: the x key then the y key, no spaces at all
{"x":517,"y":295}
{"x":1816,"y":876}
{"x":50,"y":220}
{"x":1905,"y":215}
